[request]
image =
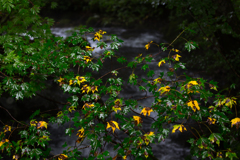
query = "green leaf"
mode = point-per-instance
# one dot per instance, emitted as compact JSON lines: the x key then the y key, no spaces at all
{"x":190,"y":45}
{"x":10,"y":57}
{"x":64,"y":145}
{"x":66,"y":87}
{"x":69,"y":131}
{"x":100,"y":156}
{"x":50,"y":21}
{"x":144,"y":80}
{"x":170,"y":74}
{"x":24,"y":134}
{"x":132,"y":64}
{"x":105,"y":153}
{"x":51,"y":70}
{"x":164,"y":48}
{"x":145,"y":66}
{"x":231,"y":155}
{"x":8,"y":5}
{"x":113,"y":37}
{"x":66,"y":118}
{"x":142,"y":88}
{"x":35,"y":9}
{"x":165,"y":131}
{"x":133,"y":78}
{"x":95,"y":67}
{"x":75,"y":98}
{"x":119,"y":81}
{"x":102,"y":44}
{"x":19,"y":95}
{"x":191,"y":30}
{"x":35,"y":153}
{"x":182,"y":65}
{"x":150,"y":73}
{"x":233,"y":86}
{"x":116,"y":146}
{"x":122,"y":60}
{"x":148,"y":58}
{"x":35,"y":113}
{"x":114,"y":45}
{"x":215,"y":137}
{"x":24,"y":86}
{"x":121,"y":151}
{"x":26,"y":150}
{"x":102,"y":115}
{"x":75,"y":89}
{"x":100,"y":128}
{"x":54,"y":5}
{"x":191,"y":141}
{"x":98,"y":82}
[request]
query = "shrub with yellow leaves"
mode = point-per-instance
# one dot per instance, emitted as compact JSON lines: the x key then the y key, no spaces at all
{"x":176,"y":102}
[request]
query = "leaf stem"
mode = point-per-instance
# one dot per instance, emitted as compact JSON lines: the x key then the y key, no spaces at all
{"x":12,"y":116}
{"x":235,"y":109}
{"x":206,"y":126}
{"x":196,"y":131}
{"x":177,"y":37}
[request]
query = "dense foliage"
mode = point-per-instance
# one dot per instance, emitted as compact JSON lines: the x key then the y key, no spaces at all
{"x":26,"y":63}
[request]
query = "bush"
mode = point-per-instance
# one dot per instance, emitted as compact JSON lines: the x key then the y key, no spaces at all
{"x":25,"y":66}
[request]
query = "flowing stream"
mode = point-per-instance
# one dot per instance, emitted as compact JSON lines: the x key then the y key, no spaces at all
{"x":174,"y":147}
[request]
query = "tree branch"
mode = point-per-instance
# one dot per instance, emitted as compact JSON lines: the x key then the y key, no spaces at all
{"x":12,"y":116}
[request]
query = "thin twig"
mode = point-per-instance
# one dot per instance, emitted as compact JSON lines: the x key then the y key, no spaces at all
{"x":200,"y":127}
{"x":2,"y":122}
{"x":70,"y":151}
{"x":49,"y":110}
{"x":191,"y":131}
{"x":50,"y":99}
{"x":4,"y":74}
{"x":111,"y":71}
{"x":12,"y":116}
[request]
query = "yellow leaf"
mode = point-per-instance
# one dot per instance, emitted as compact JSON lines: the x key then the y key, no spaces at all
{"x":146,"y":110}
{"x":116,"y":109}
{"x":164,"y":89}
{"x":176,"y":57}
{"x":236,"y":121}
{"x":80,"y":80}
{"x":60,"y":80}
{"x":70,"y":82}
{"x":62,"y":157}
{"x":194,"y":105}
{"x":137,"y":119}
{"x":179,"y":127}
{"x":42,"y":124}
{"x":113,"y":125}
{"x":7,"y":128}
{"x":148,"y":45}
{"x":161,"y":63}
{"x":72,"y":108}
